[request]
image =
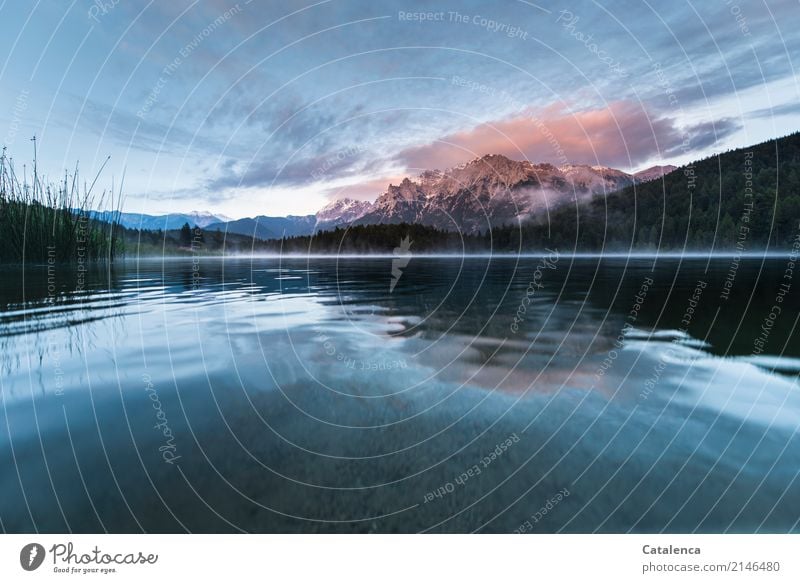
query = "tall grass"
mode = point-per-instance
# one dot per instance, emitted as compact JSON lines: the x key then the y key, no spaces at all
{"x":43,"y":221}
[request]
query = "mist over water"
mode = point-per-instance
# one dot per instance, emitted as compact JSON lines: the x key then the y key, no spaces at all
{"x":529,"y":394}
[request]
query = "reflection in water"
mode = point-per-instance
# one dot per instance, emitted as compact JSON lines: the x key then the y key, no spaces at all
{"x":312,"y":395}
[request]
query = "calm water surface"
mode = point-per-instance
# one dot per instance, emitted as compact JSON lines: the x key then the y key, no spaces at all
{"x":295,"y":395}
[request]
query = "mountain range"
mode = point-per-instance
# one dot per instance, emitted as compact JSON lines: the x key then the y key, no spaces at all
{"x":742,"y":200}
{"x":159,"y":222}
{"x":486,"y":192}
{"x":492,"y":191}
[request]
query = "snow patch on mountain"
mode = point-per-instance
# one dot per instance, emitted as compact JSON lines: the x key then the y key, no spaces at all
{"x":343,"y":210}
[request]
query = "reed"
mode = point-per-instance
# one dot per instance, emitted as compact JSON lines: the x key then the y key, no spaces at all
{"x":44,"y":221}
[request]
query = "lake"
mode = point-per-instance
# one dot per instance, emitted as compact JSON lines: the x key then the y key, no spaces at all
{"x":546,"y":393}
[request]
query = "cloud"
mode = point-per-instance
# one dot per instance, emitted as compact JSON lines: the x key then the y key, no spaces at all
{"x":318,"y":147}
{"x":343,"y":162}
{"x":621,"y":135}
{"x":282,"y":89}
{"x":775,"y":111}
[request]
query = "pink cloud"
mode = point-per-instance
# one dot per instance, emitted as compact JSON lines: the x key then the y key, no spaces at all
{"x":621,"y":135}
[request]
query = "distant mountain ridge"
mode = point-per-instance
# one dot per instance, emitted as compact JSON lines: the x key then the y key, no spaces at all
{"x":486,"y":192}
{"x":159,"y":222}
{"x":335,"y":214}
{"x":263,"y":227}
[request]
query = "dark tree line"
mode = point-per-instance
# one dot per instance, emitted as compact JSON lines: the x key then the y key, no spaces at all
{"x":382,"y":239}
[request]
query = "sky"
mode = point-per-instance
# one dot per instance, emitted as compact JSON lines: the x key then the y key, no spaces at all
{"x":273,"y":108}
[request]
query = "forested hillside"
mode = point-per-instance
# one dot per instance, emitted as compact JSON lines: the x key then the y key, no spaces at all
{"x":746,"y":199}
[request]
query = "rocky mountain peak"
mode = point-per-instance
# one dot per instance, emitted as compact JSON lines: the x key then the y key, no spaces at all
{"x":407,"y":191}
{"x":343,"y":209}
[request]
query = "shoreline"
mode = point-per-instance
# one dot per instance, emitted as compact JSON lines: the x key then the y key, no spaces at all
{"x":691,"y":255}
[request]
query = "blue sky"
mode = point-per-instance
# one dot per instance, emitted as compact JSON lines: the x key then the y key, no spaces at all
{"x":279,"y":107}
